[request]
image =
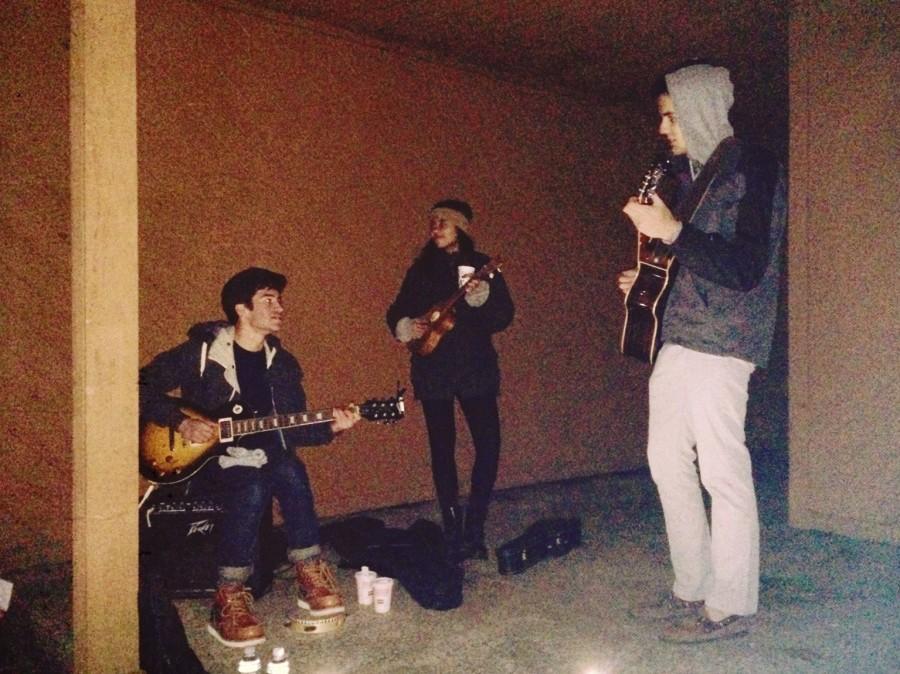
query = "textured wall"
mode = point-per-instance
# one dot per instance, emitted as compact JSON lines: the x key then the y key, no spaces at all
{"x":265,"y":141}
{"x":35,"y":305}
{"x":845,"y":469}
{"x":268,"y":141}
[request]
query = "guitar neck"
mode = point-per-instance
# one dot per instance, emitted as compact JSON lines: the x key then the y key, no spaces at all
{"x":480,"y":275}
{"x":453,"y":299}
{"x":229,"y":428}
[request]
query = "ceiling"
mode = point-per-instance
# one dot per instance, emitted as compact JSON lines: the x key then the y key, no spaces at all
{"x":605,"y":50}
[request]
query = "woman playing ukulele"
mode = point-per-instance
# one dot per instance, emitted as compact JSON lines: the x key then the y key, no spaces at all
{"x":462,"y":366}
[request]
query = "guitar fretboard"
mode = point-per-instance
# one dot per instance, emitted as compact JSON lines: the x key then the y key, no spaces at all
{"x":228,"y":428}
{"x":486,"y":271}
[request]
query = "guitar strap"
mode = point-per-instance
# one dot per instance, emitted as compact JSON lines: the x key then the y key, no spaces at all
{"x":722,"y":159}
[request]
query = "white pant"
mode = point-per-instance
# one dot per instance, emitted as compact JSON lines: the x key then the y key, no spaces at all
{"x":698,"y":400}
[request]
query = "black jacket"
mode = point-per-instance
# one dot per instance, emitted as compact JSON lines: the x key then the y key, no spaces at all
{"x":725,"y":295}
{"x":465,"y":360}
{"x":203,"y":369}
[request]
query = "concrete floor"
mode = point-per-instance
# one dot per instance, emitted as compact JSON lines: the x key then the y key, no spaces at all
{"x":828,"y":603}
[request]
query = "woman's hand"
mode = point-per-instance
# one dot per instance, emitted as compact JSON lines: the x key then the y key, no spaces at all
{"x":477,"y":292}
{"x":409,"y":329}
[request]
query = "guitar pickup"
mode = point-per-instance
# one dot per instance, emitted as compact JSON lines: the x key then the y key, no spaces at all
{"x":226,"y":430}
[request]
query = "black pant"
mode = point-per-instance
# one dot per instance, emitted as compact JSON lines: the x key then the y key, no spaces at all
{"x":483,"y":419}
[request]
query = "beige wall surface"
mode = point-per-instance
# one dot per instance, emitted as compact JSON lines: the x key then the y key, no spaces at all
{"x":265,"y":141}
{"x":276,"y":142}
{"x":269,"y":141}
{"x":845,"y":470}
{"x":35,"y":305}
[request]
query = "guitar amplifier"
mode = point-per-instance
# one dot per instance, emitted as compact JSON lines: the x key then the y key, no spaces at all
{"x":178,"y":538}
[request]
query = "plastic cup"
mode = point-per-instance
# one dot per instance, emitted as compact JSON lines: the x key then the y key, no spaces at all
{"x":382,"y":590}
{"x":364,"y":582}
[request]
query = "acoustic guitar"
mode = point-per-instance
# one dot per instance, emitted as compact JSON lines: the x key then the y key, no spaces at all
{"x":442,"y":316}
{"x":646,"y":300}
{"x":167,"y":458}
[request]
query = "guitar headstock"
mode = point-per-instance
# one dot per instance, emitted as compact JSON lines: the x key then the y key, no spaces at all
{"x":384,"y":410}
{"x":652,"y":177}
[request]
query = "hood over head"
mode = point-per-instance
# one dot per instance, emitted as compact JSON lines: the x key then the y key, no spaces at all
{"x":702,"y":95}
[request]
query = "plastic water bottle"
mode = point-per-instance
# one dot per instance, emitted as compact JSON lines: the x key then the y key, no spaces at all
{"x":250,"y":662}
{"x":279,"y":663}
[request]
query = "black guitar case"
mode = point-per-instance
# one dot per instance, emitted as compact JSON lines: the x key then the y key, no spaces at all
{"x":542,"y":540}
{"x":415,"y":557}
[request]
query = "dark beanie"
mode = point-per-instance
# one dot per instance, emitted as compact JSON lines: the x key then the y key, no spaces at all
{"x":455,"y":205}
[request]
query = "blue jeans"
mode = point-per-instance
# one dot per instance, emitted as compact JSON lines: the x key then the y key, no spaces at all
{"x":246,"y":494}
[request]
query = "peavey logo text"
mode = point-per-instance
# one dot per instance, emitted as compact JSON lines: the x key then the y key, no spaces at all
{"x":202,"y":527}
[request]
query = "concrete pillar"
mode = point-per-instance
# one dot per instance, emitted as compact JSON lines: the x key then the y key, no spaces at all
{"x":103,"y":114}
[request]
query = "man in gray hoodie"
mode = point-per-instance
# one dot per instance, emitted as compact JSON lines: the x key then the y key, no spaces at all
{"x":726,"y":231}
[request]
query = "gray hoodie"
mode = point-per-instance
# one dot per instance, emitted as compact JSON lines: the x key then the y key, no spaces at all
{"x":702,"y":95}
{"x":725,"y":294}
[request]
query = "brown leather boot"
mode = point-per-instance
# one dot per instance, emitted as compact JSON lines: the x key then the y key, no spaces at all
{"x":232,"y":620}
{"x":318,"y":591}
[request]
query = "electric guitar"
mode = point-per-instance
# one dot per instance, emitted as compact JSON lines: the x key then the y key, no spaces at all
{"x":442,"y":316}
{"x":646,"y":300}
{"x":167,"y":458}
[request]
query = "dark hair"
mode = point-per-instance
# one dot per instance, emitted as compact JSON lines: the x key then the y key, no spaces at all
{"x":659,"y":87}
{"x":241,"y":288}
{"x":457,"y":205}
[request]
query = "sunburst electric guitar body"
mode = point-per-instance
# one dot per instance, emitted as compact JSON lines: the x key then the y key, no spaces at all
{"x":167,"y":458}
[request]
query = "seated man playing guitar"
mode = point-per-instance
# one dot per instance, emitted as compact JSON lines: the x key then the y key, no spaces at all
{"x":239,"y":368}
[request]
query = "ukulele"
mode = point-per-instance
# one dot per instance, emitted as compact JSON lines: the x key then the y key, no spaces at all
{"x":646,"y":299}
{"x":442,"y":316}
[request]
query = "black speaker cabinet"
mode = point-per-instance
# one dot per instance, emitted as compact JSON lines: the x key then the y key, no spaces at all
{"x":178,"y":535}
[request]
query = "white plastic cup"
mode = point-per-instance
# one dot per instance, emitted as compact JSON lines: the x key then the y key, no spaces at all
{"x":464,"y":273}
{"x":381,"y":590}
{"x":364,"y":582}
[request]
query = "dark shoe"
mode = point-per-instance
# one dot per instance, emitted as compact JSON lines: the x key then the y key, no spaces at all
{"x":667,"y":607}
{"x":232,"y":620}
{"x":452,"y":517}
{"x":703,"y":629}
{"x":317,"y":588}
{"x":474,"y":550}
{"x":473,"y":535}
